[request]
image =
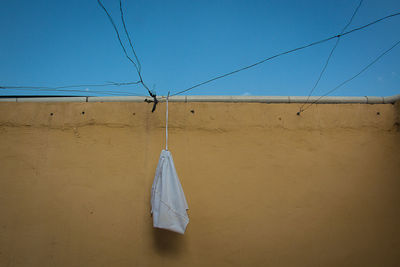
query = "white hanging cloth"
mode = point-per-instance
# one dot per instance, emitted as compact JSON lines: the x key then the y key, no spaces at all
{"x":168,"y":202}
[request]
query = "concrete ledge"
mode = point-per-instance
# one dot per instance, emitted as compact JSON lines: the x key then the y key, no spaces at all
{"x":51,"y":99}
{"x":375,"y":100}
{"x":329,"y":100}
{"x":13,"y":99}
{"x":239,"y":99}
{"x":391,"y":99}
{"x":117,"y":98}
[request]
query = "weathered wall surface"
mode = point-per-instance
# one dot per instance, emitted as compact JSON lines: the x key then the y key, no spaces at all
{"x":265,"y":187}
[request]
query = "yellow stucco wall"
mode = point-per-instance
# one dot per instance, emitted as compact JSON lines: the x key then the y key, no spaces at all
{"x":265,"y":187}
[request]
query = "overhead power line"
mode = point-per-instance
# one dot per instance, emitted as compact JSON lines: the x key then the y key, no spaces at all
{"x":330,"y":55}
{"x":137,"y":64}
{"x":116,"y":93}
{"x":287,"y":52}
{"x":65,"y":88}
{"x":352,"y":17}
{"x":70,"y":86}
{"x":117,"y":33}
{"x":353,"y":77}
{"x":129,"y":38}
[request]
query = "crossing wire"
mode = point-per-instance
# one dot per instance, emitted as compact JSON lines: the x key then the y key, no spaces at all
{"x":353,"y":77}
{"x":287,"y":52}
{"x":330,"y":56}
{"x":65,"y":88}
{"x":137,"y":63}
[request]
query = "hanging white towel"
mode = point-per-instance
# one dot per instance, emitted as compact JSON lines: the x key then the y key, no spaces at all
{"x":168,"y":202}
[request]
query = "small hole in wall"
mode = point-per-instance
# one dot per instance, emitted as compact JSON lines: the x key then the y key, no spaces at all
{"x":83,"y":113}
{"x":378,"y":113}
{"x":51,"y":114}
{"x":280,"y":118}
{"x":133,"y":113}
{"x":192,"y":111}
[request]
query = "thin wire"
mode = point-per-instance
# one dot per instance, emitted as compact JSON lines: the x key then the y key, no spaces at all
{"x":129,"y":38}
{"x":287,"y":52}
{"x":352,"y":17}
{"x":47,"y":89}
{"x":353,"y":77}
{"x":117,"y":32}
{"x":58,"y":88}
{"x":371,"y":23}
{"x":70,"y":86}
{"x":330,"y":56}
{"x":123,"y":48}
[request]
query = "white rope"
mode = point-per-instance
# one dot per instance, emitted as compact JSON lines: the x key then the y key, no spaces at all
{"x":166,"y":125}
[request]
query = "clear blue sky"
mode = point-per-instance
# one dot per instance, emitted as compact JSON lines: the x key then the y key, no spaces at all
{"x":181,"y":43}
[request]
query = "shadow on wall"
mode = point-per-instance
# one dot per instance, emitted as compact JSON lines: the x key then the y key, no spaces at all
{"x":397,"y":122}
{"x":167,"y":242}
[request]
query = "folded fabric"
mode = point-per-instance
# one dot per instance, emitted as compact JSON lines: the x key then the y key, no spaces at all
{"x":168,"y":202}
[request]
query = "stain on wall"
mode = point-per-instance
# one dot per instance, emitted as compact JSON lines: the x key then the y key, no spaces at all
{"x":265,"y":187}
